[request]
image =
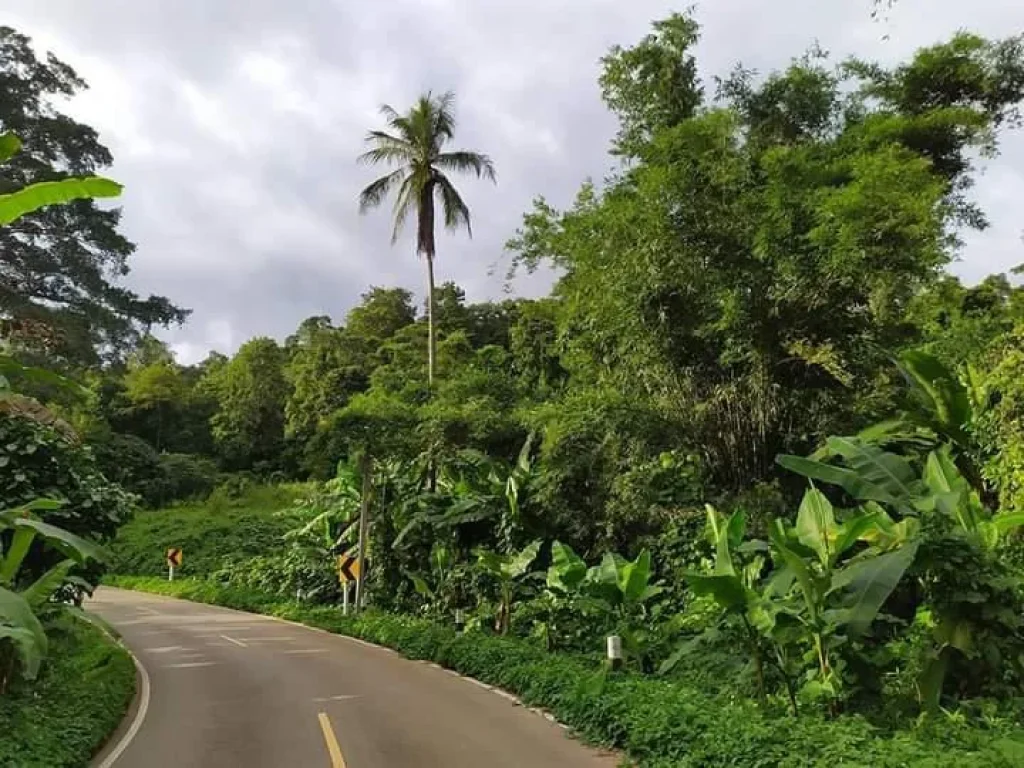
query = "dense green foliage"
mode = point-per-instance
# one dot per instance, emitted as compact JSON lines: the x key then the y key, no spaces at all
{"x":38,"y":459}
{"x":61,"y":719}
{"x":233,"y":523}
{"x":756,"y":430}
{"x":657,"y":722}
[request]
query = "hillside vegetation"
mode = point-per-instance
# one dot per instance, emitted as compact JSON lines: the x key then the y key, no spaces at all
{"x":233,"y":523}
{"x":757,"y":431}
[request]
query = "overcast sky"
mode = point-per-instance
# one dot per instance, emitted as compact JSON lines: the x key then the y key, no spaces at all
{"x":235,"y":125}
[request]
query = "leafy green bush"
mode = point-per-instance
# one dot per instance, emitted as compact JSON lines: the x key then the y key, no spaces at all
{"x":40,"y":460}
{"x":658,"y":722}
{"x":223,"y":529}
{"x":187,"y":477}
{"x":26,"y":604}
{"x":158,"y":478}
{"x":78,"y":700}
{"x":127,"y":460}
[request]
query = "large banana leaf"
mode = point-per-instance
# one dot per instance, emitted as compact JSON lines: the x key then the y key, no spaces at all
{"x":31,"y":640}
{"x":951,"y":494}
{"x":567,"y":569}
{"x":727,"y":591}
{"x":633,"y":577}
{"x":721,"y":532}
{"x":490,"y":561}
{"x":941,"y":474}
{"x":67,"y":543}
{"x":816,"y":524}
{"x":25,"y":646}
{"x":12,"y":559}
{"x":16,"y":204}
{"x":867,"y":584}
{"x":521,"y":561}
{"x":43,"y":588}
{"x":36,"y":505}
{"x":859,"y":528}
{"x":1007,"y":522}
{"x":870,"y":472}
{"x":801,"y":573}
{"x":945,"y":401}
{"x":602,"y":580}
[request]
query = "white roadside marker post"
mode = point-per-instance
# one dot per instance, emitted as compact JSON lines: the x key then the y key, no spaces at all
{"x":614,"y":651}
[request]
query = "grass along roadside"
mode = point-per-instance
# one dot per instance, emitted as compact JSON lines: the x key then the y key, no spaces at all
{"x":79,"y":699}
{"x":657,"y":722}
{"x":211,"y":532}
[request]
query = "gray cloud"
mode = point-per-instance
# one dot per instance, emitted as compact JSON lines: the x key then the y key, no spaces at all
{"x":235,"y":126}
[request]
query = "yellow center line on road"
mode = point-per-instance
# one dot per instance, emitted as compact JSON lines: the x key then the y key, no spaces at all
{"x":333,"y":748}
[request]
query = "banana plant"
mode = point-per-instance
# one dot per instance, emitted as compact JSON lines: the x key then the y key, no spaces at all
{"x":815,"y":589}
{"x":507,"y":570}
{"x":460,"y":495}
{"x":833,"y":592}
{"x":19,"y":620}
{"x":619,"y":589}
{"x":559,"y":597}
{"x":871,"y":474}
{"x":330,"y":515}
{"x":621,"y":585}
{"x":430,"y":585}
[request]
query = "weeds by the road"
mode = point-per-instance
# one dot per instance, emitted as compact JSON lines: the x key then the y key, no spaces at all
{"x":658,"y":722}
{"x":80,"y":697}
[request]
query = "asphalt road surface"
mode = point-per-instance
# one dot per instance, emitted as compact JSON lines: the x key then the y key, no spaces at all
{"x":227,"y":689}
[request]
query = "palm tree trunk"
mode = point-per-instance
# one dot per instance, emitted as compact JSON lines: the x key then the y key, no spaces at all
{"x":431,"y":337}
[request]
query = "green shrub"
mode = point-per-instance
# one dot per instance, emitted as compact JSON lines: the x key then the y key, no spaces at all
{"x":187,"y":477}
{"x":213,"y":533}
{"x":63,"y":717}
{"x":39,"y":460}
{"x":658,"y":722}
{"x":127,"y":460}
{"x":158,"y":478}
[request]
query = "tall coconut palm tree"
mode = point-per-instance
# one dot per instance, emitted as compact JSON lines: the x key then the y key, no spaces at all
{"x":415,"y":143}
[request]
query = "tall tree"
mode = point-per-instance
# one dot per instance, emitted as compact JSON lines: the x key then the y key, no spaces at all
{"x":742,"y":274}
{"x":61,"y":263}
{"x":251,"y":392}
{"x":416,"y":144}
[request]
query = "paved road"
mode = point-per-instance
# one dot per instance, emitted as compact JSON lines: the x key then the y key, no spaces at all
{"x":236,"y":689}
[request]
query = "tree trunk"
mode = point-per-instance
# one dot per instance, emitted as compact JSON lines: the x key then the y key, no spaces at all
{"x":425,"y":246}
{"x":431,"y":335}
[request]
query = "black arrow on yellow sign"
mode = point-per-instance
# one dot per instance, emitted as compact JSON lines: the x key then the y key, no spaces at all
{"x":348,"y":568}
{"x":174,"y":557}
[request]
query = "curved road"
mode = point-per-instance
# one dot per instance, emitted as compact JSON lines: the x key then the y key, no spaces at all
{"x":237,"y":689}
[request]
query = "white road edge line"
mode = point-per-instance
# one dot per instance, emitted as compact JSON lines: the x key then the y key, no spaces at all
{"x":140,"y":716}
{"x":239,"y":643}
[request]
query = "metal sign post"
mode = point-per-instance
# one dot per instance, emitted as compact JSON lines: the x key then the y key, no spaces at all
{"x":349,"y":570}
